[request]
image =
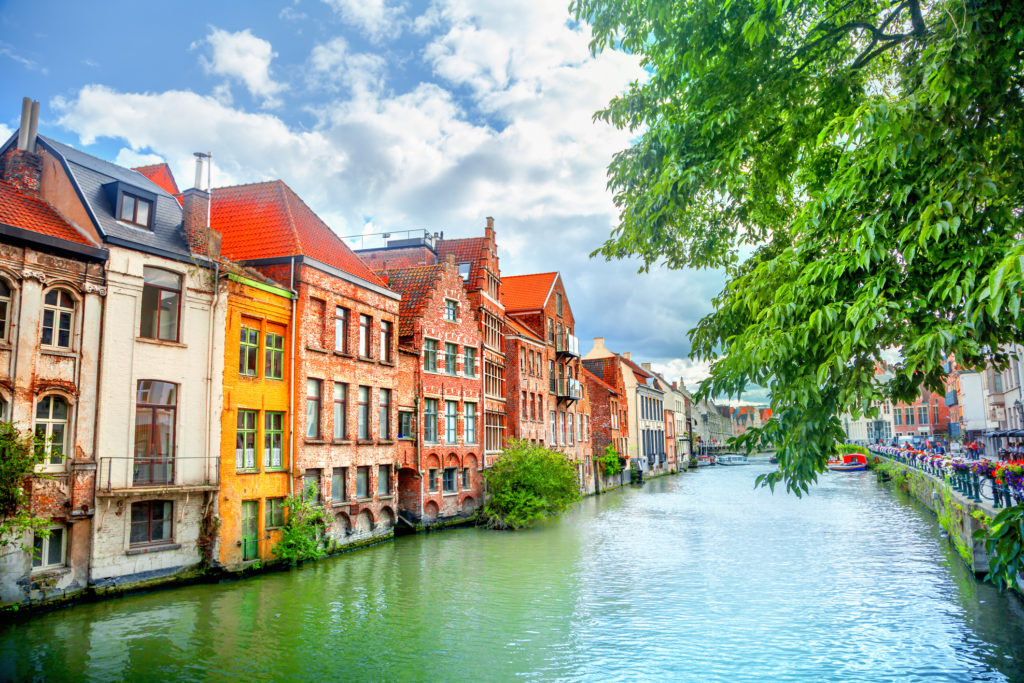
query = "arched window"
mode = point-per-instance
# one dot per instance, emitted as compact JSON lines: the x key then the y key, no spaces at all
{"x":161,"y":302}
{"x":58,"y":319}
{"x":52,"y":427}
{"x":5,"y":309}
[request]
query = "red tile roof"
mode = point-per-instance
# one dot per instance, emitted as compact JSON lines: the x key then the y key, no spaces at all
{"x":521,"y":329}
{"x":637,"y":370}
{"x":161,"y":175}
{"x":266,"y":220}
{"x":415,"y":285}
{"x":471,"y":250}
{"x":20,"y":210}
{"x":526,"y":292}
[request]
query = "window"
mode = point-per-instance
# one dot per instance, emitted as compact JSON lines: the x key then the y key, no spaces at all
{"x":362,"y":482}
{"x":522,"y":358}
{"x":316,"y":315}
{"x":311,"y":485}
{"x":561,"y":428}
{"x":161,"y":304}
{"x":135,"y":210}
{"x":525,"y":409}
{"x":275,"y":513}
{"x":405,"y":425}
{"x":52,"y":427}
{"x":909,"y":414}
{"x":48,"y":552}
{"x":156,"y":406}
{"x":383,"y":480}
{"x":385,"y":340}
{"x":534,"y":400}
{"x":152,"y":522}
{"x":464,"y":271}
{"x":5,"y":308}
{"x":897,"y":417}
{"x":451,"y":354}
{"x":273,"y":440}
{"x":451,"y":310}
{"x":364,"y":335}
{"x":339,"y":484}
{"x":312,"y":408}
{"x":430,"y":355}
{"x":551,"y":330}
{"x":558,"y":303}
{"x":922,"y":415}
{"x":494,"y":431}
{"x":248,"y":351}
{"x":340,"y":411}
{"x":935,"y":414}
{"x":470,"y":423}
{"x":432,"y":480}
{"x":492,"y":287}
{"x":341,"y":318}
{"x":469,"y":363}
{"x":494,"y":379}
{"x":385,"y":414}
{"x":245,"y":440}
{"x":492,"y":331}
{"x":4,"y":410}
{"x":554,"y":438}
{"x":58,"y":313}
{"x":363,"y":413}
{"x":430,"y":420}
{"x":449,"y":479}
{"x":273,"y":367}
{"x":569,"y":429}
{"x":451,"y":420}
{"x":465,"y":478}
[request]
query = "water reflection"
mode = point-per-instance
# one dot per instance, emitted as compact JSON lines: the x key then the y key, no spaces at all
{"x":696,"y":577}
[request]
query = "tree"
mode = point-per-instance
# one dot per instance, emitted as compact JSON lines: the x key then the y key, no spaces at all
{"x":527,"y":484}
{"x":866,"y":154}
{"x":19,"y":456}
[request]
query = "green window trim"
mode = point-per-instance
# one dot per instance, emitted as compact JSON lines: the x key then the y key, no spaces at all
{"x":273,"y":440}
{"x":274,"y":363}
{"x":248,"y":351}
{"x":245,"y":440}
{"x":274,"y":513}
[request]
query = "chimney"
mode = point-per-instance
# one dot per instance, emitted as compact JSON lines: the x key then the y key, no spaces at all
{"x":627,"y":355}
{"x":675,"y":385}
{"x":489,"y":230}
{"x":599,"y":343}
{"x":22,"y":167}
{"x":195,"y":209}
{"x":646,"y":366}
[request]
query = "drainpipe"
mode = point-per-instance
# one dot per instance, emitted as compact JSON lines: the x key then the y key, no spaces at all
{"x":209,"y":363}
{"x":419,"y":430}
{"x":291,"y":377}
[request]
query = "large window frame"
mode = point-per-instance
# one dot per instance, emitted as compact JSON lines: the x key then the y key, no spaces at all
{"x":273,"y":367}
{"x":273,"y":441}
{"x":58,"y":321}
{"x":314,"y":391}
{"x":451,"y":358}
{"x":451,"y":310}
{"x":160,"y":316}
{"x":430,"y":355}
{"x":274,"y":510}
{"x":470,"y":423}
{"x":144,"y":516}
{"x":430,"y":420}
{"x":363,"y":414}
{"x":154,"y":453}
{"x":342,"y":318}
{"x":52,"y":424}
{"x":248,"y":351}
{"x":469,"y":361}
{"x":448,"y":480}
{"x":451,"y":421}
{"x":384,"y":414}
{"x":130,"y":204}
{"x":383,"y":480}
{"x":386,"y":334}
{"x":44,"y":547}
{"x":362,"y":482}
{"x":245,"y":439}
{"x":340,"y":411}
{"x":339,"y":484}
{"x":6,"y":296}
{"x":365,"y":335}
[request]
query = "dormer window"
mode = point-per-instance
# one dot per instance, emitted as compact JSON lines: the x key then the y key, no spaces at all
{"x":464,"y":271}
{"x":135,"y":210}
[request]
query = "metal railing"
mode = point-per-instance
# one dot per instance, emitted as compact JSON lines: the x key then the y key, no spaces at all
{"x":566,"y":387}
{"x":122,"y":472}
{"x":969,"y":483}
{"x":567,"y":344}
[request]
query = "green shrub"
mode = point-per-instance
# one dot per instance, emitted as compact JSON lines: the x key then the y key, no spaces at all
{"x":527,"y":484}
{"x":609,"y":461}
{"x":19,"y":455}
{"x":305,"y":523}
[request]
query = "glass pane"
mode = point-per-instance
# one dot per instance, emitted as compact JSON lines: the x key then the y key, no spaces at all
{"x":51,"y":297}
{"x":47,"y":336}
{"x":43,"y":408}
{"x":57,"y":443}
{"x":162,"y":278}
{"x":158,"y":393}
{"x":60,"y":408}
{"x":312,"y":418}
{"x":143,"y":432}
{"x":150,"y":303}
{"x":142,"y":212}
{"x":56,"y":547}
{"x":313,"y":387}
{"x":127,"y":208}
{"x":163,"y":432}
{"x":4,"y":289}
{"x":169,"y":315}
{"x":37,"y":551}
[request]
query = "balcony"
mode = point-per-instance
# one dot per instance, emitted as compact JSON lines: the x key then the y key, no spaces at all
{"x":567,"y":345}
{"x":140,"y":477}
{"x":568,"y":388}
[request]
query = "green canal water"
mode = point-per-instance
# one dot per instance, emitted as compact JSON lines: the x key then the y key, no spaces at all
{"x":693,"y":577}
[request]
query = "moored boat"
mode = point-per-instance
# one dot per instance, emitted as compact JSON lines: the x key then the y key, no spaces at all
{"x":732,"y":459}
{"x":851,"y":462}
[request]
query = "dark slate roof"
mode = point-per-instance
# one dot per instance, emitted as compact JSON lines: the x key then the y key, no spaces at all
{"x":90,"y":174}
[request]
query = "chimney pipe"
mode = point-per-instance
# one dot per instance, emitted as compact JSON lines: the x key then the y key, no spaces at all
{"x":198,"y":184}
{"x":627,"y":355}
{"x":26,"y":114}
{"x":33,"y":128}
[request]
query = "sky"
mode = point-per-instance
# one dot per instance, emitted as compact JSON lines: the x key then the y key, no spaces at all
{"x":382,"y":115}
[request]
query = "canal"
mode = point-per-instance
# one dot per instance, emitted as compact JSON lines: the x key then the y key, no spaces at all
{"x":693,"y":577}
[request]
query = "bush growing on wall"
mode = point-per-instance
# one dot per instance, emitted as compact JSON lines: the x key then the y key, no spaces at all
{"x":305,"y":522}
{"x":527,"y":484}
{"x":609,"y":461}
{"x":19,"y":455}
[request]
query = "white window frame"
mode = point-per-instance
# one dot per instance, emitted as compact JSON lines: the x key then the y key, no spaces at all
{"x":47,"y":466}
{"x":57,"y":311}
{"x":6,"y":315}
{"x":451,"y":306}
{"x":43,"y":565}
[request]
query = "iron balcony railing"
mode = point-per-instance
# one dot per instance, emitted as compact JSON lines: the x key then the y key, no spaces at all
{"x":569,"y":388}
{"x":121,"y":472}
{"x":567,"y":345}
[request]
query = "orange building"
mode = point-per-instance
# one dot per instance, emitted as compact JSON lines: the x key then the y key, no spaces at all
{"x":256,"y":420}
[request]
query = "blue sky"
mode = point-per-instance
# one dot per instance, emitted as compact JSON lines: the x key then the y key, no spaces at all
{"x":382,"y":115}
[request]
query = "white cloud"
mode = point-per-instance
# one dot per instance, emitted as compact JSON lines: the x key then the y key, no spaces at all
{"x":5,"y":132}
{"x":129,"y":158}
{"x":244,"y":57}
{"x":377,"y":19}
{"x":332,"y":64}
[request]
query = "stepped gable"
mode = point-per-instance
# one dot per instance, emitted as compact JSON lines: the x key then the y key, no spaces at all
{"x":21,"y":211}
{"x":527,"y":292}
{"x":470,"y":250}
{"x":268,"y":220}
{"x":415,"y":285}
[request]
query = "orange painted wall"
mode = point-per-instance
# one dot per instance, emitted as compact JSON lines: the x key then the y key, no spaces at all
{"x":265,"y":311}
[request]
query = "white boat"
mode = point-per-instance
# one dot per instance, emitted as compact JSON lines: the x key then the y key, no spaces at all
{"x":732,"y":459}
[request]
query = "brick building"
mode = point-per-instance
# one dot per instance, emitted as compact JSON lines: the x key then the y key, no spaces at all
{"x":344,"y":351}
{"x":52,"y":282}
{"x":439,"y":437}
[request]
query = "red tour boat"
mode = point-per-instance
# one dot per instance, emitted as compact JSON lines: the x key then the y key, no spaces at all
{"x":851,"y":462}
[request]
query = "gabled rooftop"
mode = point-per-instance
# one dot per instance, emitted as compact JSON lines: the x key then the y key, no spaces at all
{"x":527,"y":292}
{"x":31,"y":214}
{"x":415,"y":285}
{"x":161,"y":175}
{"x":472,"y":250}
{"x":268,"y":220}
{"x":523,"y":330}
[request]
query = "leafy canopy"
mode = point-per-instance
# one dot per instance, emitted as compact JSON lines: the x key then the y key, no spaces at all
{"x":527,"y":484}
{"x":19,"y":455}
{"x":868,"y":153}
